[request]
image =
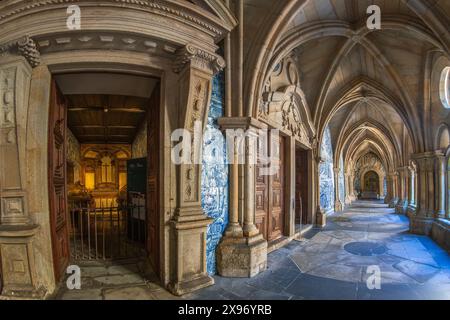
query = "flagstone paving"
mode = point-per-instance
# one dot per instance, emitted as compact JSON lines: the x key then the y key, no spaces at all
{"x":124,"y":280}
{"x":333,"y":263}
{"x":329,"y":263}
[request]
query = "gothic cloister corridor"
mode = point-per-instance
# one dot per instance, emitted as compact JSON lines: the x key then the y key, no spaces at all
{"x":224,"y":150}
{"x":319,"y":267}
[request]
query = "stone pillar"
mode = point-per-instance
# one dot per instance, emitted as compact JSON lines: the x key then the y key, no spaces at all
{"x":243,"y":254}
{"x":195,"y":67}
{"x":352,"y":187}
{"x":411,"y":210}
{"x":402,"y":203}
{"x":429,"y":167}
{"x":441,"y":171}
{"x":321,"y":217}
{"x":348,"y":198}
{"x":388,"y":198}
{"x":337,"y":201}
{"x":394,"y":189}
{"x":381,"y":195}
{"x":17,"y":228}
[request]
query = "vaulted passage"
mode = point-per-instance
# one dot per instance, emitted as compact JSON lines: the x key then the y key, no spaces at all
{"x":335,"y":262}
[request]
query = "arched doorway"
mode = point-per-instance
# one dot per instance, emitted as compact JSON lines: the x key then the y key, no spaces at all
{"x":106,"y":211}
{"x":371,"y":185}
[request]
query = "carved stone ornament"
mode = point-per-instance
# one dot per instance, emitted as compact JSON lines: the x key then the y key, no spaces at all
{"x":25,"y":47}
{"x":198,"y":58}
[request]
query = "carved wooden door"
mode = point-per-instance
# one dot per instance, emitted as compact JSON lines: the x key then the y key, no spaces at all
{"x":262,"y":198}
{"x":153,"y":151}
{"x":270,"y":194}
{"x":57,"y":181}
{"x":276,"y":193}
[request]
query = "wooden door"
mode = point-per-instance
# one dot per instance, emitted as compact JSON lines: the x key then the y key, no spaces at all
{"x":153,"y":179}
{"x":57,"y":181}
{"x":270,"y":207}
{"x":262,"y":199}
{"x":276,"y":193}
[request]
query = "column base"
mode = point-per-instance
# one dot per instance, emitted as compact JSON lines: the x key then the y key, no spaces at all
{"x":393,"y":202}
{"x":191,"y":285}
{"x":421,"y":225}
{"x":348,"y":200}
{"x":188,"y":252}
{"x":242,"y":257}
{"x":17,"y":263}
{"x":321,"y":218}
{"x":401,"y":207}
{"x":411,"y":211}
{"x":338,"y":206}
{"x":440,"y":232}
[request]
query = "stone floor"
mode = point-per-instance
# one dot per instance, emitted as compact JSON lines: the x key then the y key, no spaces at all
{"x":320,"y":267}
{"x":121,"y":280}
{"x":330,"y":263}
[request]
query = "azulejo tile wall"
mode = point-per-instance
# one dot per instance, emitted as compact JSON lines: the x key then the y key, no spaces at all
{"x":215,"y":174}
{"x":327,"y":173}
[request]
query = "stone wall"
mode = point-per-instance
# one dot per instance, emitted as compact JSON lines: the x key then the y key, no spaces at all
{"x":440,"y":232}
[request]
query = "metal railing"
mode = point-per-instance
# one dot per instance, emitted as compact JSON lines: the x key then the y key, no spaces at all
{"x":107,"y":233}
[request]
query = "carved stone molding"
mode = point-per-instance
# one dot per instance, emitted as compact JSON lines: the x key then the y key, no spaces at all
{"x":198,"y":58}
{"x":162,"y":8}
{"x":25,"y":47}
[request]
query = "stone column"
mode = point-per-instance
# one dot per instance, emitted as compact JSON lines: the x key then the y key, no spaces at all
{"x":411,"y":210}
{"x":195,"y":67}
{"x":429,"y":167}
{"x":441,"y":171}
{"x":348,"y":199}
{"x":17,"y":228}
{"x":402,"y":203}
{"x":394,"y":189}
{"x":352,"y":186}
{"x":321,"y":217}
{"x":337,"y":201}
{"x":243,"y":254}
{"x":388,"y":198}
{"x":381,"y":187}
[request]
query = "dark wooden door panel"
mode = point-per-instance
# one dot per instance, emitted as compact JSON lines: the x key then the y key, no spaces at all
{"x":276,"y":185}
{"x":153,"y":149}
{"x":270,"y":211}
{"x":57,"y":181}
{"x":262,"y":200}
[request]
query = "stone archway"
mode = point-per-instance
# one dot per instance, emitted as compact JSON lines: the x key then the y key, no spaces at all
{"x":186,"y":73}
{"x":370,"y":185}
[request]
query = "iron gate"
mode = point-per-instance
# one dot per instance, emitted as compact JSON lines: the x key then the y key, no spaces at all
{"x":108,"y":232}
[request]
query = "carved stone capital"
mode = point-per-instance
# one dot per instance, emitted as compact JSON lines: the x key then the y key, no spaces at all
{"x":198,"y":58}
{"x":25,"y":47}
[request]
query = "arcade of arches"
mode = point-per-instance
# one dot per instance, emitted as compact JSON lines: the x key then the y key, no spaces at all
{"x":87,"y":116}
